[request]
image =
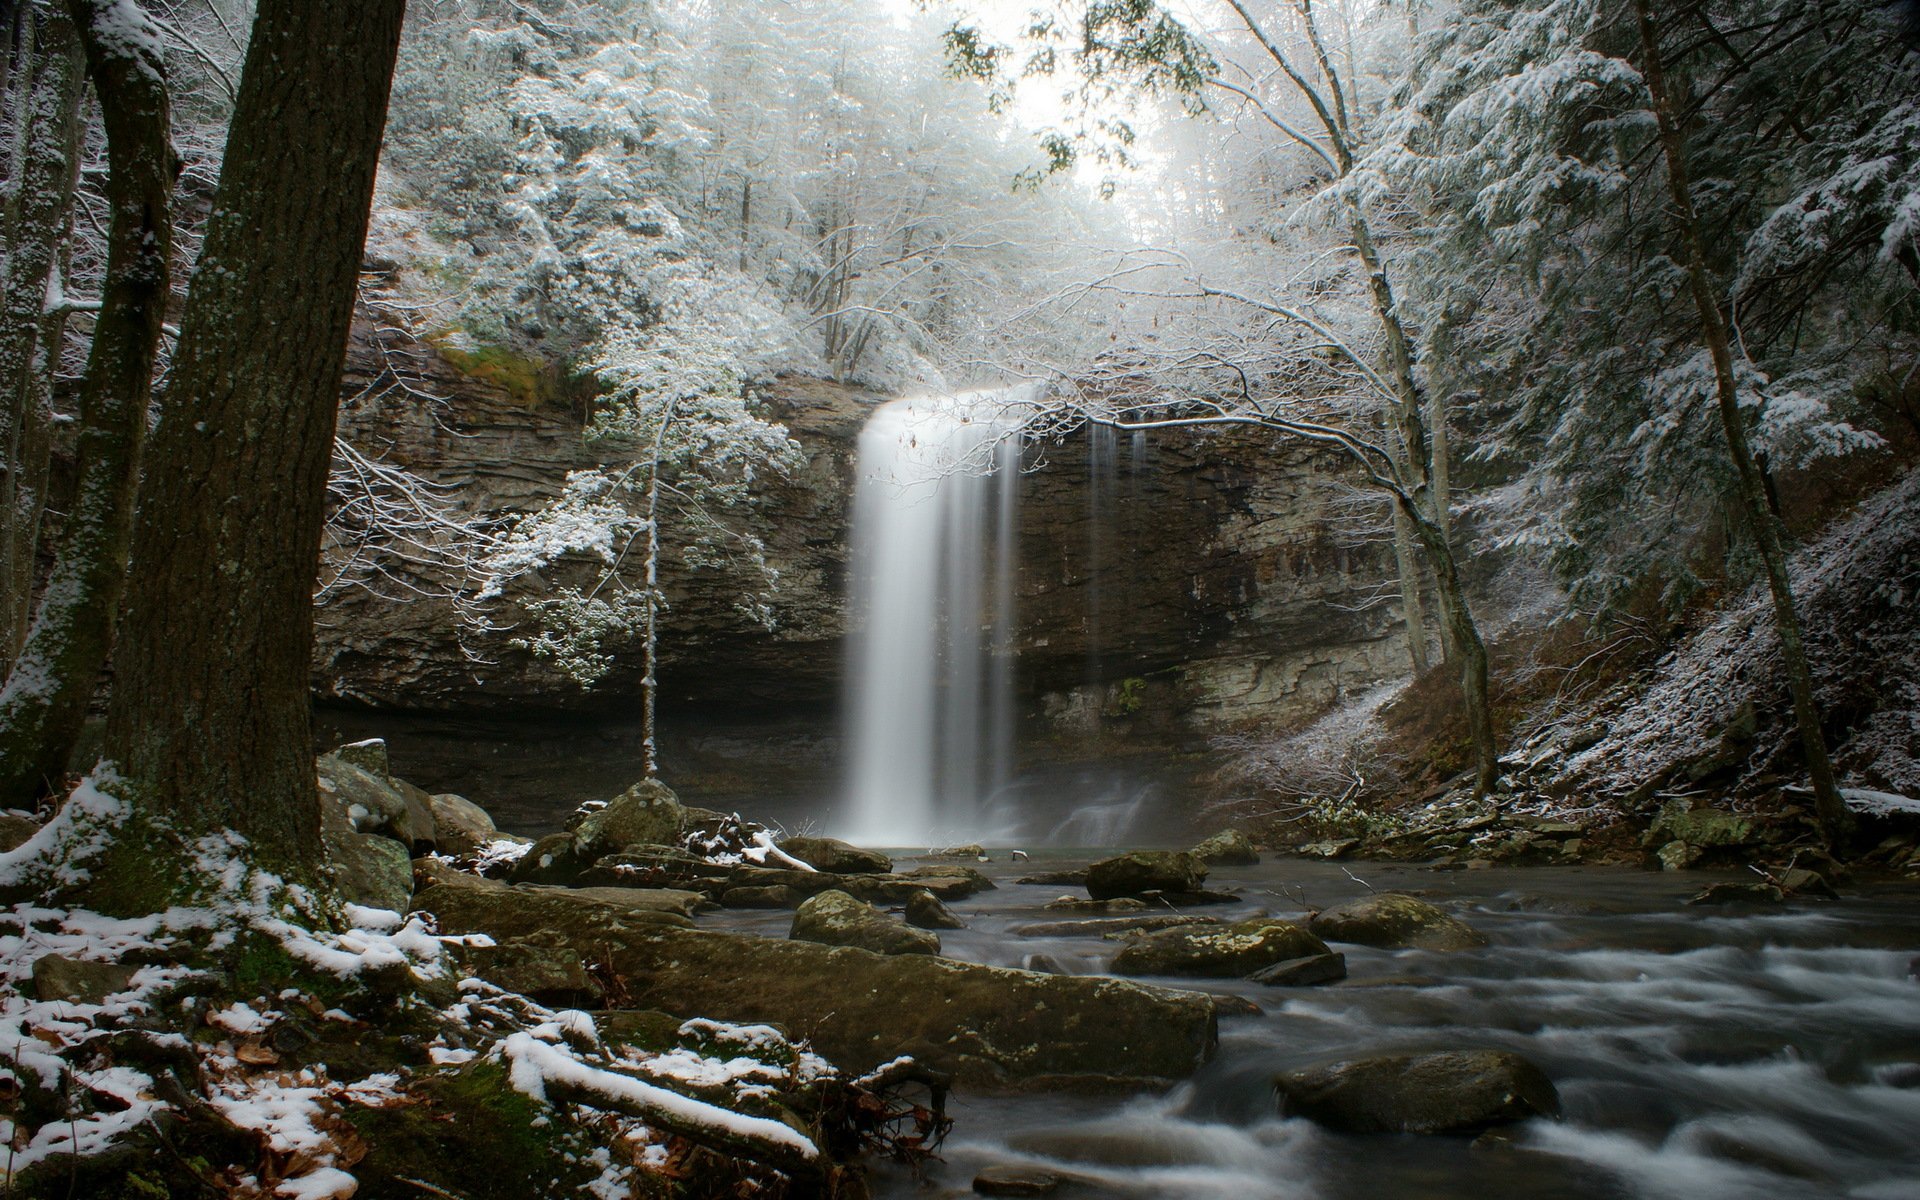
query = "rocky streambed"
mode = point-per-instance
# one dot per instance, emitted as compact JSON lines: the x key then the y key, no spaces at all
{"x":1209,"y":1024}
{"x":1724,"y":1052}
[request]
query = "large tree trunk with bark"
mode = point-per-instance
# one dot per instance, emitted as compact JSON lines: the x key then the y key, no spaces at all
{"x":44,"y":703}
{"x":209,"y":728}
{"x":45,"y":90}
{"x":1768,"y":535}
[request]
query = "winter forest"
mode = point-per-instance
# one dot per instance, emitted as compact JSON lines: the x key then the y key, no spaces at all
{"x":1235,"y":599}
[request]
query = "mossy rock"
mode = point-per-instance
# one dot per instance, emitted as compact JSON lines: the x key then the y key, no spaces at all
{"x":1707,"y":828}
{"x":1228,"y":848}
{"x":472,"y":1135}
{"x":1395,"y":921}
{"x":1145,"y":871}
{"x":988,"y":1025}
{"x":1216,"y":951}
{"x":834,"y":918}
{"x":837,"y":857}
{"x":648,"y":813}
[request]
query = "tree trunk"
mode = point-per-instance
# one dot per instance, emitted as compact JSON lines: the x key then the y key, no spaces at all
{"x":1834,"y":818}
{"x":1424,"y":507}
{"x":44,"y":703}
{"x":1470,"y":652}
{"x":39,"y":206}
{"x":210,"y":723}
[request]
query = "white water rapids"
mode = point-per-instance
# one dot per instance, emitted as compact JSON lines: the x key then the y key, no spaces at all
{"x":934,"y":560}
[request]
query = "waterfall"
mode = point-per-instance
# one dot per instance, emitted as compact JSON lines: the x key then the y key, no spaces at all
{"x":931,"y":670}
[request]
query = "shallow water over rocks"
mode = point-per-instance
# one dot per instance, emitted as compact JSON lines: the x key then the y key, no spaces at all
{"x":1699,"y":1054}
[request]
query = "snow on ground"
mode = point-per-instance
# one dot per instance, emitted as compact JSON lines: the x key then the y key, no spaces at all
{"x":1858,"y":593}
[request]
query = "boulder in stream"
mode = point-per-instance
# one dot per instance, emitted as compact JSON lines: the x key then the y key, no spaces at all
{"x":1216,"y":951}
{"x":777,"y":895}
{"x":990,"y":1026}
{"x":836,"y":857}
{"x":1303,"y":972}
{"x":925,"y":910}
{"x":1459,"y":1091}
{"x":1145,"y":871}
{"x":1228,"y":848}
{"x":833,"y":918}
{"x":1395,"y":921}
{"x":1079,"y":904}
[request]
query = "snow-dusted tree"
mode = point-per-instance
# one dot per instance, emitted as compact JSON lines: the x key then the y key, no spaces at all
{"x":1663,"y":327}
{"x":209,"y":727}
{"x":43,"y":94}
{"x":44,"y":702}
{"x":690,"y":460}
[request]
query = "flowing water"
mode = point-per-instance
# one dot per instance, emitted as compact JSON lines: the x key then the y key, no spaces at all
{"x":1699,"y":1054}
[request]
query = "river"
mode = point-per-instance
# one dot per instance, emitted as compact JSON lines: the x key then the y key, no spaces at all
{"x":1700,"y":1054}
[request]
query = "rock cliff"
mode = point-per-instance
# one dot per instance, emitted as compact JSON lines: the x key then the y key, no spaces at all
{"x":1197,"y":585}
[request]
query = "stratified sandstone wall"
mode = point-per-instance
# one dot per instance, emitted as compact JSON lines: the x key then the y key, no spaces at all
{"x":1224,"y":593}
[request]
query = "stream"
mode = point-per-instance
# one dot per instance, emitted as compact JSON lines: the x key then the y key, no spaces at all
{"x":1699,"y":1054}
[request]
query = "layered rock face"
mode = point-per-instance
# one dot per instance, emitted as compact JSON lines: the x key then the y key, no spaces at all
{"x":1191,"y":583}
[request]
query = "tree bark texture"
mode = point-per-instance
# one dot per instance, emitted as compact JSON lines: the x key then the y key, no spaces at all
{"x":210,"y":721}
{"x":1768,"y":535}
{"x":44,"y":703}
{"x":46,"y":91}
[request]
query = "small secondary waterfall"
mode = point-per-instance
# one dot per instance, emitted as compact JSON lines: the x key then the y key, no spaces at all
{"x":932,"y":668}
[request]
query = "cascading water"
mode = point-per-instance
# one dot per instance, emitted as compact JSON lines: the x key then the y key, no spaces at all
{"x":933,"y":532}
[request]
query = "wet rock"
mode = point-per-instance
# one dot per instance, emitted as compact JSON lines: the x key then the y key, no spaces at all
{"x":1188,"y":899}
{"x":837,"y":857}
{"x":925,"y":910}
{"x":554,"y":859}
{"x":1303,"y":972}
{"x":778,"y":895}
{"x":971,"y":851}
{"x":1237,"y":1006}
{"x":1228,"y":848}
{"x":1046,"y":964}
{"x":1109,"y":926}
{"x":648,"y":813}
{"x":897,"y":889}
{"x":1018,"y":1181}
{"x":667,"y":900}
{"x":460,"y":825}
{"x":1145,"y":871}
{"x":1073,"y":878}
{"x":834,"y":918}
{"x":78,"y":981}
{"x":1738,"y":893}
{"x":1216,"y":951}
{"x":1077,"y":904}
{"x":1801,"y":883}
{"x":1331,"y":849}
{"x":990,"y":1026}
{"x":1449,"y":1092}
{"x":979,"y":879}
{"x":15,"y":829}
{"x":1395,"y":921}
